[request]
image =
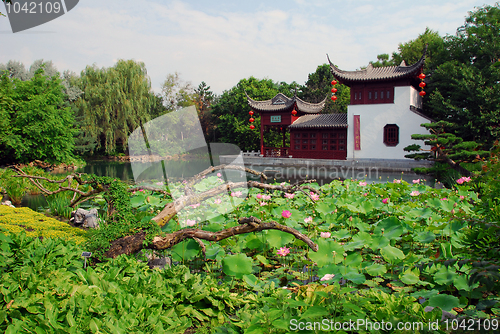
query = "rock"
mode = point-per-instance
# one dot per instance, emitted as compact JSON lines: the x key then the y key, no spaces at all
{"x":8,"y":203}
{"x":154,"y":259}
{"x":85,"y":218}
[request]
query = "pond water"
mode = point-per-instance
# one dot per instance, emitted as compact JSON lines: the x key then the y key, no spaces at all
{"x":180,"y":169}
{"x":185,"y":169}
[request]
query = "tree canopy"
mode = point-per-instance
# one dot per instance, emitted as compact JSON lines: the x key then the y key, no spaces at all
{"x":115,"y":102}
{"x":34,"y":123}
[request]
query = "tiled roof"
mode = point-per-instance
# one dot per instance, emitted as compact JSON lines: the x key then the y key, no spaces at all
{"x":338,"y":120}
{"x":283,"y":102}
{"x":371,"y":73}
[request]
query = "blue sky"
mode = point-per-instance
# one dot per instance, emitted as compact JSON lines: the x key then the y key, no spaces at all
{"x":221,"y":42}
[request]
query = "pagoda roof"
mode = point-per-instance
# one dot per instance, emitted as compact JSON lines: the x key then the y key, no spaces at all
{"x":282,"y":102}
{"x":386,"y":73}
{"x":325,"y":121}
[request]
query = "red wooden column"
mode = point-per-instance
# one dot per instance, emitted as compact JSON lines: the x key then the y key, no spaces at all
{"x":262,"y":135}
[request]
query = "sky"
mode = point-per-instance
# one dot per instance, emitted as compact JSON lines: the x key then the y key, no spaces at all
{"x":222,"y":42}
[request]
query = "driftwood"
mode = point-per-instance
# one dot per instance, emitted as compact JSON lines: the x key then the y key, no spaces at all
{"x":132,"y":244}
{"x":172,"y":208}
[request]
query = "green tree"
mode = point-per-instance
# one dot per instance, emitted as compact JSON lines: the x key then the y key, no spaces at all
{"x":318,"y":86}
{"x":35,"y":122}
{"x":411,"y":51}
{"x":463,"y":91}
{"x":465,"y":88}
{"x":446,"y":148}
{"x":115,"y":102}
{"x":204,"y":98}
{"x":176,"y":92}
{"x":382,"y":60}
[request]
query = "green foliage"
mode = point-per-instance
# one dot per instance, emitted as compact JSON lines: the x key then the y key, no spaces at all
{"x":116,"y":101}
{"x":121,"y":220}
{"x":446,"y":148}
{"x":318,"y":87}
{"x":34,"y":122}
{"x":35,"y":224}
{"x":52,"y":292}
{"x":380,"y":259}
{"x":464,"y":87}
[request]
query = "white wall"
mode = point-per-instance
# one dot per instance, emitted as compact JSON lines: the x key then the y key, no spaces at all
{"x":373,"y":118}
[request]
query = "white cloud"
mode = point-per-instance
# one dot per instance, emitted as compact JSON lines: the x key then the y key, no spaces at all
{"x":225,"y":41}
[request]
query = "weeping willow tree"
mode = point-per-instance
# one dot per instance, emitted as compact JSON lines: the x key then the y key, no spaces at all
{"x":115,"y":101}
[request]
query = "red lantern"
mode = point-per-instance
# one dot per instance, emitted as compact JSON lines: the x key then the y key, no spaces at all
{"x":422,"y":93}
{"x":251,"y":120}
{"x":294,"y":112}
{"x":421,"y":76}
{"x":334,"y":90}
{"x":252,"y":127}
{"x":250,"y":112}
{"x":333,"y":98}
{"x":334,"y":82}
{"x":422,"y":84}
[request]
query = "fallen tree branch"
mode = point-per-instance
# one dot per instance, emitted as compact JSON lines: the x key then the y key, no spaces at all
{"x":132,"y":244}
{"x":172,"y":208}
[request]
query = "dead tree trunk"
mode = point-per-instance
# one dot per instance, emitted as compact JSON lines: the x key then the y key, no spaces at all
{"x":134,"y":243}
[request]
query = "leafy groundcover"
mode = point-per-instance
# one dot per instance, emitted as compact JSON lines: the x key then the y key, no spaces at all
{"x":386,"y":252}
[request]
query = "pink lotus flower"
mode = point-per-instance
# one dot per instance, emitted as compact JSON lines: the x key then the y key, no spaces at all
{"x":236,"y":194}
{"x":194,"y":206}
{"x":262,"y":203}
{"x":385,"y":200}
{"x":416,"y":181}
{"x":396,"y":181}
{"x":463,"y":179}
{"x":219,"y":174}
{"x":218,"y":201}
{"x":462,"y":197}
{"x":190,"y":222}
{"x":315,"y":197}
{"x":286,"y":214}
{"x":325,"y":234}
{"x":444,"y":199}
{"x":259,"y":196}
{"x":327,"y":277}
{"x":415,"y":193}
{"x":308,"y":219}
{"x":363,"y":183}
{"x":266,"y":197}
{"x":283,"y":251}
{"x":290,"y":196}
{"x":365,"y":194}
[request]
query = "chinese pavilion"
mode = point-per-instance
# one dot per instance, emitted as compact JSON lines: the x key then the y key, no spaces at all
{"x":385,"y":109}
{"x":312,"y":135}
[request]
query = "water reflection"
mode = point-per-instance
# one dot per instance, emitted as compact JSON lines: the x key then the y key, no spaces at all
{"x":179,"y":168}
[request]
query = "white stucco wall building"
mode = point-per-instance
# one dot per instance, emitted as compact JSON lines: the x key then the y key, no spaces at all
{"x":385,"y":110}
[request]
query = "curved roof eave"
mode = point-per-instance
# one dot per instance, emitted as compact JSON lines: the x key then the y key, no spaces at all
{"x":371,"y":73}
